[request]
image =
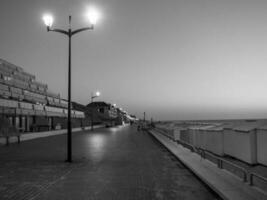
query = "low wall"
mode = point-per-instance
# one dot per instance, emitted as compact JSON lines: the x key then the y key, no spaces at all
{"x":35,"y":135}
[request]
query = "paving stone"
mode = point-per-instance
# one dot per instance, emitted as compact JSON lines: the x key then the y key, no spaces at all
{"x":117,"y":163}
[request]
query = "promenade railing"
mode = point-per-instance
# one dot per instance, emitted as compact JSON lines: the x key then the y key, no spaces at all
{"x":258,"y":181}
{"x":245,"y":175}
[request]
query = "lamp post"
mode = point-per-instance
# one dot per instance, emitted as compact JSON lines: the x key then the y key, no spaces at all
{"x":144,"y":116}
{"x":97,"y":94}
{"x":48,"y":20}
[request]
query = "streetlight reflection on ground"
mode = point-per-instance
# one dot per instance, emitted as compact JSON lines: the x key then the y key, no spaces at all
{"x":97,"y":141}
{"x":97,"y":144}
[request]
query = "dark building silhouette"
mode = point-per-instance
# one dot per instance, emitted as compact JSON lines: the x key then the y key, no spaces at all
{"x":107,"y":113}
{"x":101,"y":112}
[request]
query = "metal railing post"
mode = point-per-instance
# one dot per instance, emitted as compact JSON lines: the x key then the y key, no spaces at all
{"x":219,"y":163}
{"x":250,"y":179}
{"x":244,"y":176}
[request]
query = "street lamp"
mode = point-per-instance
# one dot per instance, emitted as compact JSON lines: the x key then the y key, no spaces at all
{"x":93,"y":16}
{"x":97,"y":94}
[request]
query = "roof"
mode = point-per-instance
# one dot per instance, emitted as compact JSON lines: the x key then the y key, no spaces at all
{"x":201,"y":127}
{"x":216,"y":128}
{"x":98,"y":104}
{"x":78,"y":106}
{"x":264,"y":127}
{"x":247,"y":126}
{"x":179,"y":128}
{"x":228,"y":126}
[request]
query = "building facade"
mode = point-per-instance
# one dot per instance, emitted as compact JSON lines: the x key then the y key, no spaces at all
{"x":107,"y":113}
{"x":102,"y":112}
{"x":29,"y":105}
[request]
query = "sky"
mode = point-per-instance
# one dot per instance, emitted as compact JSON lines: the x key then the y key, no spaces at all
{"x":173,"y":59}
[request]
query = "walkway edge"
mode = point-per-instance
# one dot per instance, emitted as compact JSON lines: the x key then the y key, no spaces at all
{"x":226,"y":185}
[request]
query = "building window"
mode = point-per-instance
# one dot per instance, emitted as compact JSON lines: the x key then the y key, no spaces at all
{"x":101,"y":110}
{"x":7,"y":78}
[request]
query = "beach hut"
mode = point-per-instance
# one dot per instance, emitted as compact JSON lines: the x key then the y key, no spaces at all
{"x":261,"y":135}
{"x":190,"y":133}
{"x":186,"y":135}
{"x":240,"y":142}
{"x":177,"y":132}
{"x":197,"y":135}
{"x":202,"y":137}
{"x":215,"y":140}
{"x":166,"y":130}
{"x":192,"y":137}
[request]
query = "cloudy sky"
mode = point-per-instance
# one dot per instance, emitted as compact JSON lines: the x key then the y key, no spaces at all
{"x":174,"y":59}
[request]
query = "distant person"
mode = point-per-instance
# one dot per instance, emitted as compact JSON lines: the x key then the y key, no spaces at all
{"x":138,"y":127}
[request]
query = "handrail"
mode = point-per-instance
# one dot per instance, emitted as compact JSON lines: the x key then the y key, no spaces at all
{"x":220,"y":161}
{"x":251,"y":175}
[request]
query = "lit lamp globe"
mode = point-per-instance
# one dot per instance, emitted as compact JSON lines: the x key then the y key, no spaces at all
{"x":97,"y":93}
{"x":93,"y":15}
{"x":48,"y":20}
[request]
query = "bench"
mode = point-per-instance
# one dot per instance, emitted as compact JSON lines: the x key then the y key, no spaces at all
{"x":10,"y":132}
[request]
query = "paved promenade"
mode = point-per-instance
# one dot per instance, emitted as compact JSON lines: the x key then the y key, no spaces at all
{"x":115,"y":163}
